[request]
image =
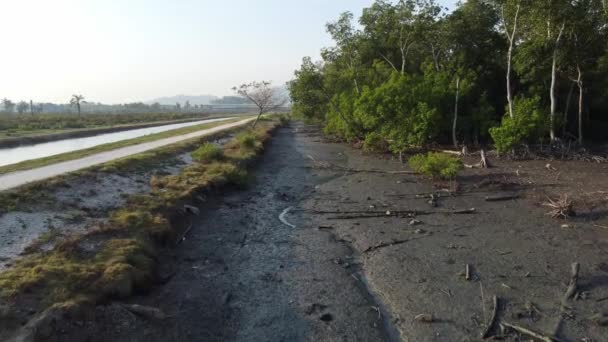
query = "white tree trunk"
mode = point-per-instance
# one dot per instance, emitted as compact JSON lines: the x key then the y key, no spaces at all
{"x":554,"y":83}
{"x":567,"y":111}
{"x":454,"y":123}
{"x":579,"y":82}
{"x":511,"y":38}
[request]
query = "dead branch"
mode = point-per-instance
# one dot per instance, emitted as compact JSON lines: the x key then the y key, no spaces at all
{"x":385,"y":244}
{"x":528,"y":332}
{"x":560,"y":208}
{"x":492,"y":322}
{"x":501,"y":197}
{"x":484,"y":163}
{"x":389,"y":213}
{"x":573,"y":284}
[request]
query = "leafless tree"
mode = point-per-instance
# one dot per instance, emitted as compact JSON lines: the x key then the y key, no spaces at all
{"x":76,"y":100}
{"x":262,"y":95}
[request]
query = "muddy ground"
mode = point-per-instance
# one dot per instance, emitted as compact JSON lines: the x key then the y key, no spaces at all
{"x":76,"y":204}
{"x":348,"y":261}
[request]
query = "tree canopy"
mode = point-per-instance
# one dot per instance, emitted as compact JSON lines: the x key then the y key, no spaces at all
{"x":502,"y":71}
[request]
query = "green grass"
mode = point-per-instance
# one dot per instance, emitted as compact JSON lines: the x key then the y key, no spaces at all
{"x":208,"y":152}
{"x":30,"y":164}
{"x":127,"y":246}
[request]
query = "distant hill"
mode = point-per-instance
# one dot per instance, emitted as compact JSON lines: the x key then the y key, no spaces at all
{"x":194,"y":99}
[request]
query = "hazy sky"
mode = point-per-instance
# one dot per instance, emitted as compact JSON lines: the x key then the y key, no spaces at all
{"x":116,"y":51}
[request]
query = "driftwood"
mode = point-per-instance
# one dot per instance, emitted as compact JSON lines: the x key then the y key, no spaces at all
{"x":330,"y":166}
{"x":484,"y":163}
{"x":501,"y":197}
{"x":389,"y":213}
{"x":528,"y":332}
{"x":492,"y":322}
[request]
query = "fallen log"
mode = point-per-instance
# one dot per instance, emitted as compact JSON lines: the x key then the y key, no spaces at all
{"x":501,"y":197}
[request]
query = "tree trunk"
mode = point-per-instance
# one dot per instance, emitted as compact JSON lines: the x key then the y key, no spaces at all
{"x":579,"y":82}
{"x":31,"y":107}
{"x":553,"y":84}
{"x":511,"y":38}
{"x":78,"y":106}
{"x":257,"y":119}
{"x":567,"y":111}
{"x":454,"y":123}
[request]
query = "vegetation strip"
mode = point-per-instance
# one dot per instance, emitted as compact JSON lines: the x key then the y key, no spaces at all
{"x":30,"y":164}
{"x":120,"y":257}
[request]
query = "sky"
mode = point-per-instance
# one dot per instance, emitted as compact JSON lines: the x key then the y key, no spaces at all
{"x":117,"y":51}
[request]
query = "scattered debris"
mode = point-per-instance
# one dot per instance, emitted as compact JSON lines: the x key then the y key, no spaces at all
{"x":415,"y":222}
{"x":330,"y":166}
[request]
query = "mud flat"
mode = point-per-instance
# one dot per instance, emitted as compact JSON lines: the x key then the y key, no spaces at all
{"x":364,"y":256}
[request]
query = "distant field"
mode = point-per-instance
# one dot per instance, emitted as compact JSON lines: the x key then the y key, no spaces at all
{"x":34,"y":163}
{"x":15,"y":126}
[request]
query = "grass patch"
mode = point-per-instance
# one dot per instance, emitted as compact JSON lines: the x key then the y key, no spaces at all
{"x":436,"y":165}
{"x":120,"y":257}
{"x":30,"y":164}
{"x":207,"y":153}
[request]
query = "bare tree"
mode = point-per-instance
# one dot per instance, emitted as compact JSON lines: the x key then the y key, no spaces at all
{"x":76,"y":100}
{"x":262,"y":95}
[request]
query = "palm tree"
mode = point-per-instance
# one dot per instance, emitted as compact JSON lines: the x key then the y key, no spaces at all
{"x":76,"y":100}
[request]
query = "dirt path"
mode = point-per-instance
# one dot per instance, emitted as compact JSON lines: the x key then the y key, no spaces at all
{"x":15,"y":179}
{"x":244,"y":275}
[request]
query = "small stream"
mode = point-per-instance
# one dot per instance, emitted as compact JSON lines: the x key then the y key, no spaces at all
{"x":18,"y":154}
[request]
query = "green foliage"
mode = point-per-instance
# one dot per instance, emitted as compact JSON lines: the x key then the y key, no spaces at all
{"x":208,"y":152}
{"x":529,"y":124}
{"x":436,"y":165}
{"x":309,"y":99}
{"x":374,"y":142}
{"x":246,"y":139}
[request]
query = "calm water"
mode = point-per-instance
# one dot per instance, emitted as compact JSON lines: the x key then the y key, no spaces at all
{"x":18,"y":154}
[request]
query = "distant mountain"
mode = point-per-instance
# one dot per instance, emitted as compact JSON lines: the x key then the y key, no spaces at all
{"x":194,"y":99}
